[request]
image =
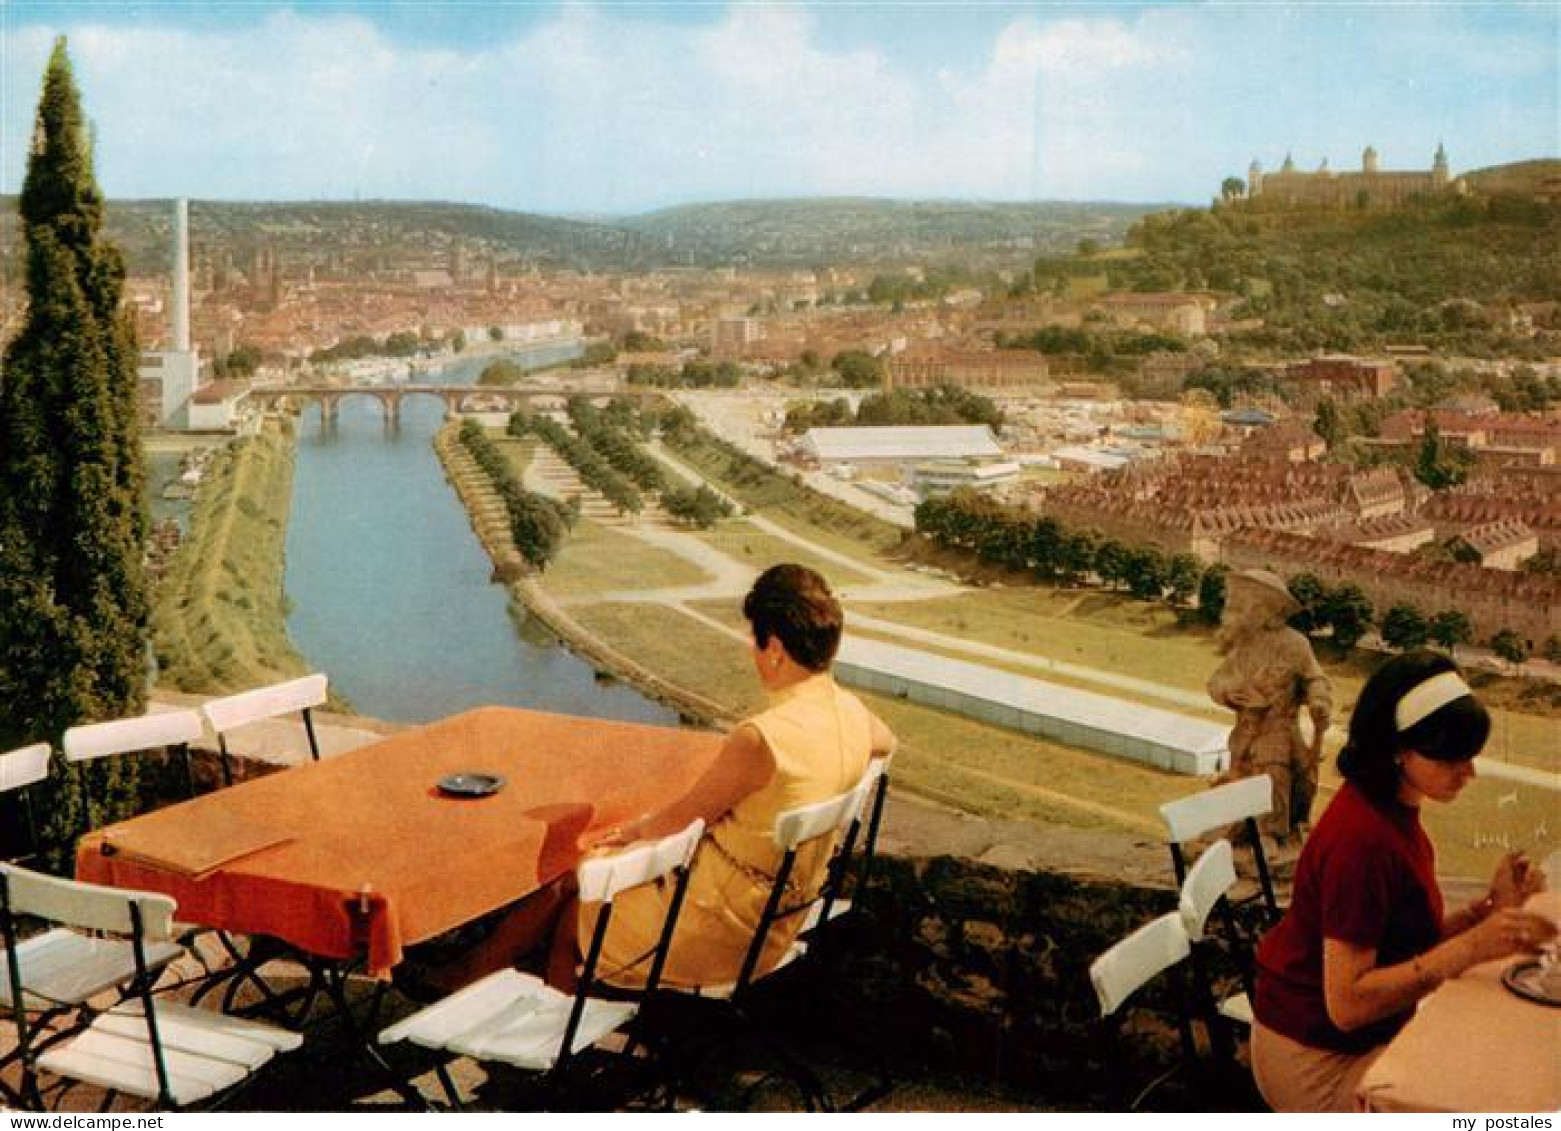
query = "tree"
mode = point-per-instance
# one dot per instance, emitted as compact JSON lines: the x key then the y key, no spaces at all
{"x":1211,"y":594}
{"x":495,"y":334}
{"x":1232,"y":188}
{"x":1405,"y":627}
{"x":1327,"y":424}
{"x":1449,"y":629}
{"x":1311,"y":594}
{"x":1182,"y":575}
{"x":73,"y":599}
{"x":1552,"y":649}
{"x":1508,"y":645}
{"x":1348,"y":612}
{"x":1437,"y":464}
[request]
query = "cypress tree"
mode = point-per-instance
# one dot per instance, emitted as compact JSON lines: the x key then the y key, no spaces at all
{"x":73,"y":598}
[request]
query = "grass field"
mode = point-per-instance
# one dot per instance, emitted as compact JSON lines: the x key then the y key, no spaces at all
{"x":816,"y":517}
{"x":753,"y":547}
{"x":1117,"y":634}
{"x":219,"y":622}
{"x":980,"y":768}
{"x":598,"y":559}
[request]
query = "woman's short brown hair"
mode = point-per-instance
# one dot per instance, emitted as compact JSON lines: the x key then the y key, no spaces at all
{"x":794,"y":603}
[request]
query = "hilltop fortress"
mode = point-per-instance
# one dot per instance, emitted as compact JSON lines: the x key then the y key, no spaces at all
{"x":1371,"y":187}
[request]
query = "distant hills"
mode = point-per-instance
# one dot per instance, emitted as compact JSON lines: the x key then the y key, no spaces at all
{"x":779,"y":233}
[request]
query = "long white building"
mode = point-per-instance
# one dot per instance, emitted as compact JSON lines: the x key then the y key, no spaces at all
{"x":1167,"y":740}
{"x":906,"y":444}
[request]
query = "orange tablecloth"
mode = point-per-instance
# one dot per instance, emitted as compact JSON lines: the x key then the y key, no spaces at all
{"x":1473,"y":1045}
{"x":371,"y":857}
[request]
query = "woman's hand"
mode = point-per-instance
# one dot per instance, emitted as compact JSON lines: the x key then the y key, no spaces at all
{"x":1515,"y":880}
{"x":1507,"y":931}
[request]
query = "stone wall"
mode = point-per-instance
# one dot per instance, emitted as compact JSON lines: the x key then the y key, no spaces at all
{"x":975,"y":960}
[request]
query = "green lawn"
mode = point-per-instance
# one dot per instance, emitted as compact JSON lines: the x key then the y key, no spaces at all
{"x":599,"y":559}
{"x":746,"y":543}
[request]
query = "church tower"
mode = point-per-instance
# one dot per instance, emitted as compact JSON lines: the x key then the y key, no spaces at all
{"x":1368,"y":161}
{"x":1254,"y":178}
{"x":1439,"y":176}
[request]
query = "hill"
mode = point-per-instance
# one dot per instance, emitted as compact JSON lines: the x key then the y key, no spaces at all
{"x":371,"y":235}
{"x":1522,"y":177}
{"x":1445,"y":273}
{"x":806,"y":232}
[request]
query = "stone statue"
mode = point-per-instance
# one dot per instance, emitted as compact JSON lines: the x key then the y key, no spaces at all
{"x":1269,"y":673}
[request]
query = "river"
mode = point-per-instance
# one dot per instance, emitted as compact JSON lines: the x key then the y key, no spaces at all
{"x":390,"y":588}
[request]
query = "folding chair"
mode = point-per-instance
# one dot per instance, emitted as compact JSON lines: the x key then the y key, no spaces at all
{"x":795,"y":831}
{"x":171,"y":1054}
{"x":874,"y":792}
{"x":20,"y":770}
{"x":1208,"y":882}
{"x":173,"y":730}
{"x":518,"y":1019}
{"x":1241,"y":801}
{"x":1128,"y":966}
{"x":233,"y":711}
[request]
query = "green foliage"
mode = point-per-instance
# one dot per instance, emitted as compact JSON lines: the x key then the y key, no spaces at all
{"x":942,"y":404}
{"x":696,"y":506}
{"x":819,"y":414}
{"x":1211,"y":594}
{"x":1327,"y":423}
{"x":695,"y":374}
{"x":1349,"y":613}
{"x":1434,"y":272}
{"x":239,"y":364}
{"x":859,"y":369}
{"x":537,"y":523}
{"x":73,"y":600}
{"x":1449,"y":628}
{"x":503,"y":371}
{"x":593,"y":468}
{"x":1405,"y":627}
{"x":1510,"y":646}
{"x":1437,"y":464}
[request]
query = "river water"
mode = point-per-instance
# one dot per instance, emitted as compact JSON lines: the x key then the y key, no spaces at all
{"x":389,"y":586}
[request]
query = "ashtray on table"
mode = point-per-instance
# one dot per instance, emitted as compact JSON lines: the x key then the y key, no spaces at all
{"x":1528,"y":979}
{"x":470,"y":783}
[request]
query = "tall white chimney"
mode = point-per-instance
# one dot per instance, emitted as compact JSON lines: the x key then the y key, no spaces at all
{"x":181,"y":275}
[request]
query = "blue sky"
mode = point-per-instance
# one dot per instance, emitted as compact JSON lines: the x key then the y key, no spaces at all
{"x":623,"y":107}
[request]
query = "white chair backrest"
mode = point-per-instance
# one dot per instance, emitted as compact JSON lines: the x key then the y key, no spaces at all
{"x":1119,"y":972}
{"x":1211,"y":877}
{"x":604,"y":877}
{"x":266,"y":702}
{"x":22,"y":767}
{"x":124,"y":736}
{"x":796,"y":827}
{"x":89,"y":907}
{"x":1189,"y":817}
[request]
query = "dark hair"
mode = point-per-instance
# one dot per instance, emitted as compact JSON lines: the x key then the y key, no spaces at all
{"x":1452,"y":733}
{"x":795,"y":604}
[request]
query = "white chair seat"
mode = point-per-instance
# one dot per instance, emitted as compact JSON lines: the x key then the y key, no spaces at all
{"x":63,"y":966}
{"x":721,"y":991}
{"x":816,"y":912}
{"x":205,"y":1052}
{"x":511,"y":1017}
{"x":1238,"y":1008}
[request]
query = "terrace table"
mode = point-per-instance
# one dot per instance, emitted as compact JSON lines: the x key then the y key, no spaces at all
{"x":361,"y":855}
{"x":1473,"y":1045}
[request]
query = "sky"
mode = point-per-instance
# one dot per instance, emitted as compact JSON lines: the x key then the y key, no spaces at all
{"x":577,"y":108}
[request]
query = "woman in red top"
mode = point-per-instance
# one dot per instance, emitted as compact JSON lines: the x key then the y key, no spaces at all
{"x":1365,"y":937}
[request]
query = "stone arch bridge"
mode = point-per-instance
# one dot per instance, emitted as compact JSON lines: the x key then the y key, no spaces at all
{"x":456,"y":398}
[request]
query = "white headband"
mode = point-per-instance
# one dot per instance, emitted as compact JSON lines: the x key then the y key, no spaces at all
{"x":1429,"y":697}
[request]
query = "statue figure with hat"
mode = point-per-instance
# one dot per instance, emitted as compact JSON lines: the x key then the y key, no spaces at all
{"x":1268,"y":674}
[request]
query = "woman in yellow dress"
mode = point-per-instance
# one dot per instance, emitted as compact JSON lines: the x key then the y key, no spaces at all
{"x":812,"y":743}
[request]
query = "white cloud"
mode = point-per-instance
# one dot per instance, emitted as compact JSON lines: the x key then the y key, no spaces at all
{"x":599,"y":108}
